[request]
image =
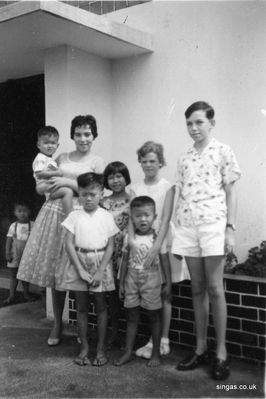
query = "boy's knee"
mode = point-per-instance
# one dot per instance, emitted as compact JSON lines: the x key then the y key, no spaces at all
{"x":154,"y":315}
{"x":133,"y":314}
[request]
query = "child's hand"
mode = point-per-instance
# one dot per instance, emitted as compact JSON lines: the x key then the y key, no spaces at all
{"x":167,"y":292}
{"x":121,"y":291}
{"x":152,"y":255}
{"x":97,"y":278}
{"x":9,"y":257}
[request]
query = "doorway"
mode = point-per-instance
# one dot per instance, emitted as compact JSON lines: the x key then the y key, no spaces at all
{"x":22,"y":113}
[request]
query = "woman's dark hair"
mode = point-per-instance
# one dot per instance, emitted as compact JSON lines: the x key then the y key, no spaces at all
{"x":89,"y":179}
{"x":142,"y":200}
{"x":47,"y":131}
{"x":82,"y":120}
{"x":113,"y":168}
{"x":200,"y":106}
{"x":151,"y":146}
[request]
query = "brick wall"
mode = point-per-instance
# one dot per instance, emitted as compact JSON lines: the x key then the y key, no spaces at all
{"x":246,"y":317}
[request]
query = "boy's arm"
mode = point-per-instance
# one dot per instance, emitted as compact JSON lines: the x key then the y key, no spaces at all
{"x":231,"y":202}
{"x":70,"y":248}
{"x":47,"y":173}
{"x":97,"y":278}
{"x":166,"y":217}
{"x":166,"y":268}
{"x":123,"y":272}
{"x":9,"y":242}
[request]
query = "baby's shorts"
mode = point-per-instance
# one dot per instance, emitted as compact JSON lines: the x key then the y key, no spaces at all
{"x":206,"y":239}
{"x":143,"y":288}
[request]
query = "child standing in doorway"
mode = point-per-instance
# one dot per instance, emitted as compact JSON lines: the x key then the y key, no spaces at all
{"x":116,"y":178}
{"x":151,"y":159}
{"x":45,"y":168}
{"x":140,"y":285}
{"x":205,"y":229}
{"x":17,"y":237}
{"x":90,"y":243}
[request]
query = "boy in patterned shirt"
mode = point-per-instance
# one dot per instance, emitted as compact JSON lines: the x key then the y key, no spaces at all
{"x":205,"y":230}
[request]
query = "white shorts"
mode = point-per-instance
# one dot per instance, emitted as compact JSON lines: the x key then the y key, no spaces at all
{"x":198,"y":241}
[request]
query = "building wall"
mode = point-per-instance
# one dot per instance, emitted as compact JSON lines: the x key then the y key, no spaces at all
{"x":78,"y":83}
{"x":211,"y":51}
{"x":245,"y":335}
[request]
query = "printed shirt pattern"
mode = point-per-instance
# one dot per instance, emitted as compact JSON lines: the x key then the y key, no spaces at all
{"x":201,"y":178}
{"x":142,"y":245}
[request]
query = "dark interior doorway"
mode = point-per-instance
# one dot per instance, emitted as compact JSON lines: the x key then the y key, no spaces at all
{"x":22,"y":113}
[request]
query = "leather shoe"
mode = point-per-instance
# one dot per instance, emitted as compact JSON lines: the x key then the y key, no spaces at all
{"x":192,"y":361}
{"x":220,"y":369}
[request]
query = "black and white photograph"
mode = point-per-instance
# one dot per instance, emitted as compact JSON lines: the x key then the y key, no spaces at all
{"x":132,"y":199}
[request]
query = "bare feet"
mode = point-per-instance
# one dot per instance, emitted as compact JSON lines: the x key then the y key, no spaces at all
{"x":100,"y":359}
{"x":155,"y":361}
{"x":127,"y":357}
{"x":82,"y":359}
{"x":55,"y":336}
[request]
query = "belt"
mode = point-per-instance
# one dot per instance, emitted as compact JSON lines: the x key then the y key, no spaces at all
{"x":86,"y":251}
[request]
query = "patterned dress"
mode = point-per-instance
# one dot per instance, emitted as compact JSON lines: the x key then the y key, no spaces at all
{"x":44,"y":258}
{"x":120,"y":211}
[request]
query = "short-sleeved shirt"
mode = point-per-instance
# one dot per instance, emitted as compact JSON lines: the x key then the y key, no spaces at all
{"x":21,"y":231}
{"x":201,"y":178}
{"x":91,"y":230}
{"x":40,"y":163}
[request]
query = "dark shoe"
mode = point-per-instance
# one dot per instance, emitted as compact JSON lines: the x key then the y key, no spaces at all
{"x":220,"y":369}
{"x":192,"y":361}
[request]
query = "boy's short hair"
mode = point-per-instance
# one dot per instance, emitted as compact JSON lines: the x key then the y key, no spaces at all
{"x":142,"y":200}
{"x":21,"y":202}
{"x":90,"y":179}
{"x":82,"y":120}
{"x":200,"y":106}
{"x":113,"y":168}
{"x":151,"y":146}
{"x":47,"y":131}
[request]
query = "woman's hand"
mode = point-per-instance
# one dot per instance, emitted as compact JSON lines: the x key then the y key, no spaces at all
{"x":57,"y":182}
